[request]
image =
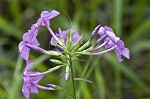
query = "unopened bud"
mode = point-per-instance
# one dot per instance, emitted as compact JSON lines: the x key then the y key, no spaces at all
{"x":51,"y":85}
{"x":53,"y":53}
{"x":67,"y":76}
{"x":56,"y":61}
{"x":84,"y":46}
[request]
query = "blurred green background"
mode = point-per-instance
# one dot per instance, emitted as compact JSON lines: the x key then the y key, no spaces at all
{"x":130,"y":20}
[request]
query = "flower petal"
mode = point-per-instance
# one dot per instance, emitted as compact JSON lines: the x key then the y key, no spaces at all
{"x":109,"y":44}
{"x":119,"y":56}
{"x":101,"y":31}
{"x":60,"y":33}
{"x":111,"y":35}
{"x":27,"y":36}
{"x":35,"y":29}
{"x":25,"y":54}
{"x":45,"y":14}
{"x":49,"y":15}
{"x":120,"y":44}
{"x":75,"y":37}
{"x":53,"y":14}
{"x":21,"y":46}
{"x":26,"y":91}
{"x":59,"y":48}
{"x":28,"y":64}
{"x":36,"y":79}
{"x":45,"y":22}
{"x":108,"y":29}
{"x":125,"y":52}
{"x":34,"y":89}
{"x":35,"y":43}
{"x":39,"y":22}
{"x":53,"y":41}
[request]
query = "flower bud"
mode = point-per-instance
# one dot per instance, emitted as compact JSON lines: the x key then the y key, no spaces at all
{"x":53,"y":53}
{"x":51,"y":85}
{"x":67,"y":75}
{"x":56,"y":61}
{"x":84,"y":46}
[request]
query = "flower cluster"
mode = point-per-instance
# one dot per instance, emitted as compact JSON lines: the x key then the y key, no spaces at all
{"x":110,"y":41}
{"x":68,"y":48}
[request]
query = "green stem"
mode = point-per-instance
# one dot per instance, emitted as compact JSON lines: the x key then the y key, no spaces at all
{"x":72,"y":78}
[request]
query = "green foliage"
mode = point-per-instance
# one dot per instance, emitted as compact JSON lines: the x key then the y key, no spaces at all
{"x":130,"y":20}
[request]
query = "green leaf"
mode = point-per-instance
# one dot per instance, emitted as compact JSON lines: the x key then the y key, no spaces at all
{"x":82,"y":79}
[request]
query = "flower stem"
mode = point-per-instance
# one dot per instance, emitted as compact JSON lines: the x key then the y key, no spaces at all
{"x":72,"y":77}
{"x":103,"y":52}
{"x":53,"y":34}
{"x":97,"y":48}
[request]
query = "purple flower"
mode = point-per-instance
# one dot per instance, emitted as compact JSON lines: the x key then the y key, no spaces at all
{"x":28,"y":38}
{"x":30,"y":83}
{"x":106,"y":35}
{"x":111,"y":42}
{"x":46,"y":16}
{"x":121,"y":50}
{"x":107,"y":32}
{"x":62,"y":35}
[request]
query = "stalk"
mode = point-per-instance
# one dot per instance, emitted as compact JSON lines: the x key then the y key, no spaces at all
{"x":72,"y":77}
